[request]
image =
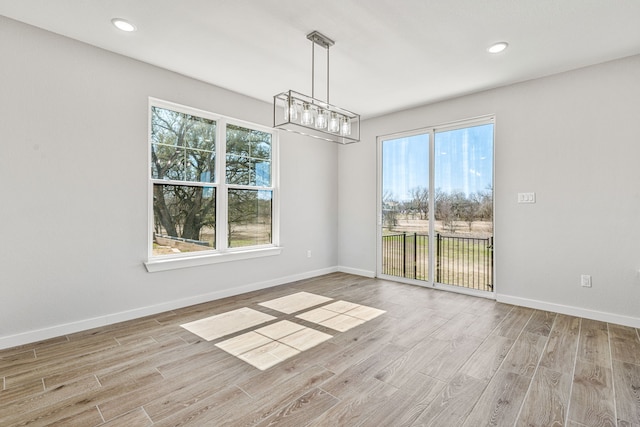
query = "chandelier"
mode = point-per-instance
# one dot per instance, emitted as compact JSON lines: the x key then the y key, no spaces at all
{"x":307,"y":115}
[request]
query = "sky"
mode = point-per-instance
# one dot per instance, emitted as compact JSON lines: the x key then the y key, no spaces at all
{"x":463,"y":162}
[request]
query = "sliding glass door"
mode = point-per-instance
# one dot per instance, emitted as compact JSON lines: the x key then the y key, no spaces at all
{"x":436,"y":206}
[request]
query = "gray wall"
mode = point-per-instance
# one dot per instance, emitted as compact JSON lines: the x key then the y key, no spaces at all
{"x":574,"y":140}
{"x":73,"y":164}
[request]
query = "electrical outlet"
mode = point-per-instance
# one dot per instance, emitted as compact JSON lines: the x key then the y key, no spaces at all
{"x":309,"y":253}
{"x":585,"y":281}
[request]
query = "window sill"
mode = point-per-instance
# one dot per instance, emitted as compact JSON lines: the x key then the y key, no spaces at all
{"x":155,"y":265}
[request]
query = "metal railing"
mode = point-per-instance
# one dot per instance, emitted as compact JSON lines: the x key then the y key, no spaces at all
{"x":459,"y":261}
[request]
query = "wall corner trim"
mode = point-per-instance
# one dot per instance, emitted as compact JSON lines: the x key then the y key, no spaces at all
{"x":356,"y":271}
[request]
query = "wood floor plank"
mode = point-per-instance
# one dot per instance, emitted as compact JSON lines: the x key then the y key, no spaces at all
{"x":485,"y":324}
{"x":50,"y":405}
{"x":8,"y":396}
{"x":104,"y":364}
{"x":182,"y":398}
{"x":86,"y":417}
{"x":454,"y":403}
{"x":135,"y":418}
{"x":500,"y":403}
{"x":301,"y":411}
{"x":592,"y":400}
{"x":525,"y":354}
{"x":514,"y":322}
{"x":447,"y":362}
{"x":400,"y":371}
{"x":405,"y":406}
{"x":140,"y":396}
{"x":455,"y":327}
{"x":594,"y":342}
{"x":626,"y":379}
{"x":625,"y":344}
{"x":14,"y":359}
{"x":344,"y":383}
{"x":269,"y":404}
{"x":213,"y":410}
{"x":55,"y":358}
{"x":260,"y":383}
{"x":409,"y":335}
{"x":547,"y":400}
{"x":540,"y":323}
{"x":560,"y":352}
{"x":486,"y":360}
{"x":360,"y":350}
{"x":356,"y":407}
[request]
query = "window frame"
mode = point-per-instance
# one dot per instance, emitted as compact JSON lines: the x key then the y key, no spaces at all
{"x":221,"y":253}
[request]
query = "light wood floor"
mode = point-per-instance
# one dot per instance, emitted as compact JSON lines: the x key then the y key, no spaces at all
{"x":434,"y":358}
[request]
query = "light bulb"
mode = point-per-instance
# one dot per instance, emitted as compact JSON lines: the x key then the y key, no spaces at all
{"x":334,"y":123}
{"x":321,"y":120}
{"x":307,"y":115}
{"x":345,"y":127}
{"x":290,"y":111}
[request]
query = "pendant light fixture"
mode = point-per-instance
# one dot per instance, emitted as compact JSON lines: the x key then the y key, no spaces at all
{"x":307,"y":115}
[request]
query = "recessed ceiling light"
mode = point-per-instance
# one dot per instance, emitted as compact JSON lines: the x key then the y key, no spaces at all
{"x":497,"y":47}
{"x":123,"y":24}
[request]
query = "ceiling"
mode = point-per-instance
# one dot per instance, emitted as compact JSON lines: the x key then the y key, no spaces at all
{"x":388,"y":54}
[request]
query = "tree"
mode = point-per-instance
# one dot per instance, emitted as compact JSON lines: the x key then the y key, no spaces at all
{"x":182,"y":149}
{"x":420,"y":201}
{"x":389,"y":209}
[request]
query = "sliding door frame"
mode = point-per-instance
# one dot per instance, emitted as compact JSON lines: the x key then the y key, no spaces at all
{"x":431,"y":131}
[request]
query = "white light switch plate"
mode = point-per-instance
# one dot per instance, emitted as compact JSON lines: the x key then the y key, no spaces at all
{"x":526,"y":197}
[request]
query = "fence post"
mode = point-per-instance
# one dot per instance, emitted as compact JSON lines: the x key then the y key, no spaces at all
{"x":415,"y":255}
{"x":437,"y":257}
{"x":404,"y":254}
{"x":491,"y":262}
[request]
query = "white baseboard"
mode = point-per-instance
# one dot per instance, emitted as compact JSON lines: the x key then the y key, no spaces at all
{"x":356,"y":271}
{"x":95,"y":322}
{"x":602,"y":316}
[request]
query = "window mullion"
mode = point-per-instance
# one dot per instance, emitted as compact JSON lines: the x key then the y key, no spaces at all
{"x":221,"y":194}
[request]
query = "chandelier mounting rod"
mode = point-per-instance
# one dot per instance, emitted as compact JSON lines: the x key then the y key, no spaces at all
{"x":324,"y":41}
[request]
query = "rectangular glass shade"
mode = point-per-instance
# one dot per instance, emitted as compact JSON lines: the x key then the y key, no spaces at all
{"x":184,"y":219}
{"x":182,"y":146}
{"x":248,"y":159}
{"x":250,"y":213}
{"x":295,"y":112}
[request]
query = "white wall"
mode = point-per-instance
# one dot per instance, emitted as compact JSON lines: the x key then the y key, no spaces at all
{"x":574,"y":140}
{"x":73,"y":214}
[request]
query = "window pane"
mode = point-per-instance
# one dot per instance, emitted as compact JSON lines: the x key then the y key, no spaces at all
{"x":248,"y":156}
{"x":182,"y":146}
{"x":249,"y":217}
{"x":405,"y":183}
{"x":184,"y":218}
{"x":464,"y":181}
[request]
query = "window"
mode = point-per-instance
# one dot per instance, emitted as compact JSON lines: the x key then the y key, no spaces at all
{"x":212,"y":185}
